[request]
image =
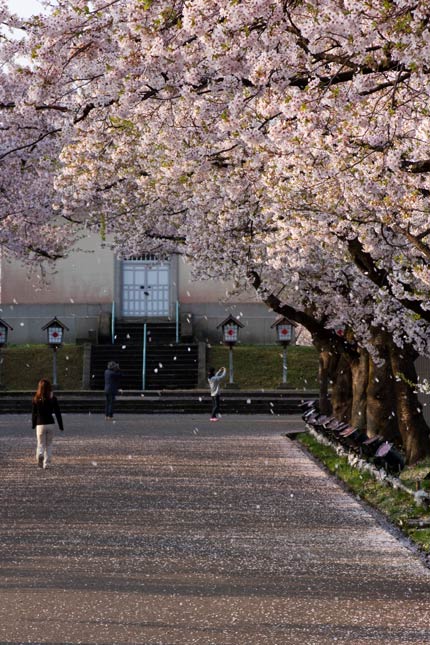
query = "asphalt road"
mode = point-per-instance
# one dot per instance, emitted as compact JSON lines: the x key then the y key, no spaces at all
{"x":172,"y":530}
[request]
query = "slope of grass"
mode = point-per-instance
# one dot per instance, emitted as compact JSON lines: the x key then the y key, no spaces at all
{"x":23,"y":366}
{"x":256,"y":367}
{"x":260,"y":366}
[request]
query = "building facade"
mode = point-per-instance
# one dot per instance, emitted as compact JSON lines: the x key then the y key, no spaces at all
{"x":92,"y":285}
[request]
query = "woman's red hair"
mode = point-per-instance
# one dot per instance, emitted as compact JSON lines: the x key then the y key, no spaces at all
{"x":44,"y":390}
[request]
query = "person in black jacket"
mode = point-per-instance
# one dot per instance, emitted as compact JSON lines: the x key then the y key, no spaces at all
{"x":112,"y":380}
{"x":45,"y":406}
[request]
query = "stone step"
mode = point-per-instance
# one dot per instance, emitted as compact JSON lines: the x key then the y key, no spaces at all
{"x":149,"y":402}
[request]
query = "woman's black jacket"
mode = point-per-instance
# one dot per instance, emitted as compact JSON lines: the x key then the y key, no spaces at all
{"x":43,"y":411}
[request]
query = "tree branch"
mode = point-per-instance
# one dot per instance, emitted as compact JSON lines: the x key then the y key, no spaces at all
{"x":337,"y":343}
{"x":366,"y":264}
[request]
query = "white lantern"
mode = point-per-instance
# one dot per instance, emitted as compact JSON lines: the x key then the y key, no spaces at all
{"x":230,"y":330}
{"x":55,"y":329}
{"x":284,"y":330}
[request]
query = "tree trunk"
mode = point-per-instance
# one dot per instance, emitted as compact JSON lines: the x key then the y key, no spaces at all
{"x":341,"y":395}
{"x":413,"y":429}
{"x":381,"y":396}
{"x":359,"y":377}
{"x":324,"y":373}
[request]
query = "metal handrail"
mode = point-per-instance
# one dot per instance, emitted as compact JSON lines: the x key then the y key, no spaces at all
{"x":144,"y":359}
{"x":112,"y":323}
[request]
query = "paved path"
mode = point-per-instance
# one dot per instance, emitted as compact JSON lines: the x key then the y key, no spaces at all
{"x":171,"y":530}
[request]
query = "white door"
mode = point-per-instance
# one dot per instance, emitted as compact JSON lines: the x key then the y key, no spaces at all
{"x":145,"y":287}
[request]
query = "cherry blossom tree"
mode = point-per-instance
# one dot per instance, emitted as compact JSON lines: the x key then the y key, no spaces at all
{"x":285,"y":143}
{"x":31,"y":139}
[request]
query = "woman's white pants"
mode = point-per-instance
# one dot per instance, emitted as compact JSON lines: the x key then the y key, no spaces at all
{"x":45,"y":436}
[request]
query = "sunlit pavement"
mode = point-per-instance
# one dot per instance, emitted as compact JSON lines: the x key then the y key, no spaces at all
{"x":173,"y":530}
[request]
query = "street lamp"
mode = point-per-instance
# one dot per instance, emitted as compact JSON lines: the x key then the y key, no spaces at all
{"x":55,"y":330}
{"x":230,"y":331}
{"x":284,"y":335}
{"x":4,"y":329}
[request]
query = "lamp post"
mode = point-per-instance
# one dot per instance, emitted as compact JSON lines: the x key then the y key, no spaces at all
{"x":284,"y":335}
{"x":230,"y":331}
{"x":55,"y":329}
{"x":4,"y":329}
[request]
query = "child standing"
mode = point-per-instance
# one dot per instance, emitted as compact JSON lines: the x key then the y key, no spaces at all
{"x":45,"y":406}
{"x":214,"y":380}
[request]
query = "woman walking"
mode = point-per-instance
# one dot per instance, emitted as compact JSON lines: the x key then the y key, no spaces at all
{"x":45,"y":406}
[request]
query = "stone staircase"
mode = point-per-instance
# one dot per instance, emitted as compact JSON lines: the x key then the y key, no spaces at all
{"x":169,"y":365}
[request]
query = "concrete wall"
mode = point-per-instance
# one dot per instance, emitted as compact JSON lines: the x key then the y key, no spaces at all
{"x":205,"y":304}
{"x":76,"y":290}
{"x":255,"y":317}
{"x":86,"y":276}
{"x":204,"y":291}
{"x":27,"y":321}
